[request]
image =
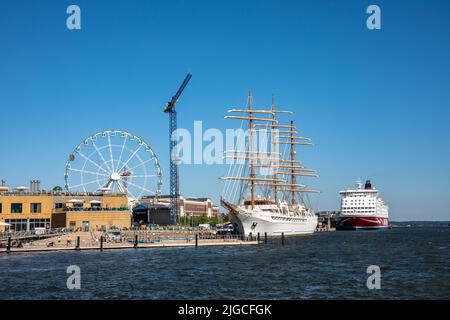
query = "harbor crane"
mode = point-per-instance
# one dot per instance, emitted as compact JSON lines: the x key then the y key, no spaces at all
{"x":174,"y":181}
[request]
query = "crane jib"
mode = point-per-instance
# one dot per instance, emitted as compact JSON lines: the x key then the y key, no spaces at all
{"x":180,"y":90}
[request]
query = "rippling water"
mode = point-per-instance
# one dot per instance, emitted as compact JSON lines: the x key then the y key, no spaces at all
{"x":414,"y":262}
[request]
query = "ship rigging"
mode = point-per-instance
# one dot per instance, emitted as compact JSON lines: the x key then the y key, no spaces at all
{"x":263,"y":193}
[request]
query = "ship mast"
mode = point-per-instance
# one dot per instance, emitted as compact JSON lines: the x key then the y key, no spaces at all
{"x":274,"y":146}
{"x":286,"y":170}
{"x":252,"y":168}
{"x":293,"y":178}
{"x":292,"y":168}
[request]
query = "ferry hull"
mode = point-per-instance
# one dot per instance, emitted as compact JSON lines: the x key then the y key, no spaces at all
{"x":250,"y":224}
{"x":363,"y":223}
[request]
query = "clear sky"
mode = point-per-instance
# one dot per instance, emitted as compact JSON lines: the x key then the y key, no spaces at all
{"x":375,"y":102}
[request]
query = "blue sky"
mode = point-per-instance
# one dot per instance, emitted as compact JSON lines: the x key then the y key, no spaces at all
{"x":376,"y":103}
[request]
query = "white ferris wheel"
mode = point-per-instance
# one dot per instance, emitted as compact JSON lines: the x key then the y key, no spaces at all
{"x":114,"y":161}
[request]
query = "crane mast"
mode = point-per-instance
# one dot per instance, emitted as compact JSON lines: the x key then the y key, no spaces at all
{"x":174,"y":179}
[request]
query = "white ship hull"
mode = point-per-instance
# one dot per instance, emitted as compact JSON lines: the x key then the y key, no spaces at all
{"x":254,"y":222}
{"x":253,"y":225}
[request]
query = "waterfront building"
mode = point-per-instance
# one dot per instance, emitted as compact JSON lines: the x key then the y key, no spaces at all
{"x":157,"y":210}
{"x":197,"y":207}
{"x":25,"y":210}
{"x":151,"y":213}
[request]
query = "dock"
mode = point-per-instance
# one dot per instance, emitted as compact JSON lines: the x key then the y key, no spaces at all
{"x":327,"y":221}
{"x":84,"y":241}
{"x":129,"y":246}
{"x":325,"y":229}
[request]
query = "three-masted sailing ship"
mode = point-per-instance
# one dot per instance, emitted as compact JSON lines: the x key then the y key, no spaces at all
{"x":262,"y":192}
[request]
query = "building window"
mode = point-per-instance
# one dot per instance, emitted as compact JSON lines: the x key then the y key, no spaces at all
{"x":24,"y":225}
{"x":78,"y":206}
{"x":85,"y":226}
{"x":35,"y":208}
{"x":16,"y":207}
{"x":39,"y":223}
{"x":96,"y":205}
{"x":17,"y":224}
{"x":59,"y":205}
{"x":0,"y":208}
{"x":72,"y":224}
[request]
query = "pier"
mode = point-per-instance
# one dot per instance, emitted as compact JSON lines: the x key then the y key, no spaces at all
{"x":325,"y":229}
{"x":82,"y":241}
{"x":327,"y":221}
